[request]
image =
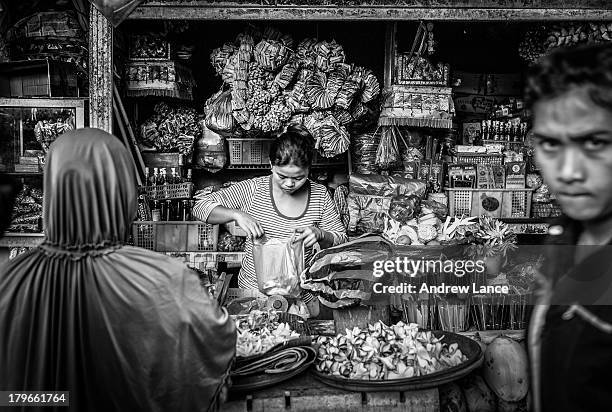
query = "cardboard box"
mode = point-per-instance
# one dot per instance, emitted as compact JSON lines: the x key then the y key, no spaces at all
{"x":38,"y":78}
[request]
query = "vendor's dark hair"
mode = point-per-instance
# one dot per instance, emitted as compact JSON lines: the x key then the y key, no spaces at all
{"x":582,"y":67}
{"x":295,"y":146}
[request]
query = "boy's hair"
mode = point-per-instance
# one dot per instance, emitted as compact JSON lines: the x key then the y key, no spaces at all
{"x":583,"y":67}
{"x":293,"y":147}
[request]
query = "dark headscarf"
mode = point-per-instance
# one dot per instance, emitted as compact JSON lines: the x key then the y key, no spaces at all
{"x":121,"y":328}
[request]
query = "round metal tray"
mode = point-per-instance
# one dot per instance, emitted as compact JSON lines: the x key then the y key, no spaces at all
{"x":468,"y":347}
{"x":261,"y":381}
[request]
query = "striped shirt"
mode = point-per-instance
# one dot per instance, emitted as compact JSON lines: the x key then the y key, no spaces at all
{"x":254,"y":196}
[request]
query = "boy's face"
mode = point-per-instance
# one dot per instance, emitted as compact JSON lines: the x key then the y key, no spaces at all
{"x":573,"y":139}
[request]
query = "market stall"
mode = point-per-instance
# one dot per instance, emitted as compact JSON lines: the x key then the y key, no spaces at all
{"x":423,"y":139}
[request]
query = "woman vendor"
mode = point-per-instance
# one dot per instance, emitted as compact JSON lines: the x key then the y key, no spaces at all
{"x":280,"y":205}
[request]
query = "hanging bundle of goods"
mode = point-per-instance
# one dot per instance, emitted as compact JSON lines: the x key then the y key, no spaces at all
{"x":419,"y":95}
{"x":55,"y":35}
{"x":171,"y":129}
{"x":413,"y":69}
{"x":388,"y":153}
{"x":152,"y":71}
{"x":540,"y":40}
{"x":275,"y":84}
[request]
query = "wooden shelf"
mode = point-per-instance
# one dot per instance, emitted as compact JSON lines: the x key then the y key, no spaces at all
{"x":21,"y":239}
{"x":24,"y":174}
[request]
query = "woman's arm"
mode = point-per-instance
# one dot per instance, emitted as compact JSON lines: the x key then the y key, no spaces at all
{"x":222,"y":214}
{"x":330,"y":232}
{"x":331,"y":225}
{"x":229,"y":205}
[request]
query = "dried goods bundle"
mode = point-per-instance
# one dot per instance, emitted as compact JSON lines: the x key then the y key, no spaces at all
{"x":540,"y":40}
{"x":171,"y":129}
{"x":330,"y":136}
{"x":271,"y":83}
{"x":271,"y":54}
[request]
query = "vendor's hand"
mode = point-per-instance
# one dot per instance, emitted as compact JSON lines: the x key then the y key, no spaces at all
{"x":251,"y":226}
{"x":310,"y":235}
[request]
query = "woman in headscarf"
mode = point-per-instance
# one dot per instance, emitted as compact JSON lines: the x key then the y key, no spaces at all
{"x":120,"y":327}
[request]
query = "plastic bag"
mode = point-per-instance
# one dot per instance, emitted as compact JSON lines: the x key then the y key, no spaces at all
{"x":278,"y":264}
{"x":210,"y":151}
{"x":219,"y":117}
{"x":388,"y":153}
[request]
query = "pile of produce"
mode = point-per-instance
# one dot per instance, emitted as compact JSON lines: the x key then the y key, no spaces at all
{"x":27,"y":211}
{"x":386,"y":352}
{"x":171,"y":129}
{"x":275,"y":83}
{"x":260,"y":331}
{"x":542,"y":39}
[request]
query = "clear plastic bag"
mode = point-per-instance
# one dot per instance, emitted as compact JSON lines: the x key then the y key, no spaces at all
{"x":278,"y":264}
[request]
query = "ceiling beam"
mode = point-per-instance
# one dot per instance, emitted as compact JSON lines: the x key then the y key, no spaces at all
{"x":460,"y":10}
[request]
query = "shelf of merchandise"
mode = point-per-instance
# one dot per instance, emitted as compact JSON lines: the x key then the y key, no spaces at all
{"x":24,"y":174}
{"x":21,"y":239}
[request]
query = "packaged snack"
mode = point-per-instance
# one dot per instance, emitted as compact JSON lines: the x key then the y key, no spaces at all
{"x":462,"y":175}
{"x":411,"y":169}
{"x":515,"y":175}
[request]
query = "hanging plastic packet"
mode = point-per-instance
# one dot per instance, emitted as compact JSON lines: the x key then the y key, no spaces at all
{"x":278,"y":264}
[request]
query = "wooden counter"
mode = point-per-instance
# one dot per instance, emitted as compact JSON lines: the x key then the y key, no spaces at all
{"x":305,"y":393}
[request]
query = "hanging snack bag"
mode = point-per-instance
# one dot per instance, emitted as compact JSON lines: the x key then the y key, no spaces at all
{"x":219,"y":117}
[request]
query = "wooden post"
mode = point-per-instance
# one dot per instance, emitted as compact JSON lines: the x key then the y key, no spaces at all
{"x":100,"y":71}
{"x":390,"y":40}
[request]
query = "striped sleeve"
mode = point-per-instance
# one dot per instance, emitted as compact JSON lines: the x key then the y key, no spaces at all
{"x":237,"y":196}
{"x":330,"y":220}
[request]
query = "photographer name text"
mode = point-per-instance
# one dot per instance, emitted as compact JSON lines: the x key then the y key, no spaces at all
{"x":442,"y":288}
